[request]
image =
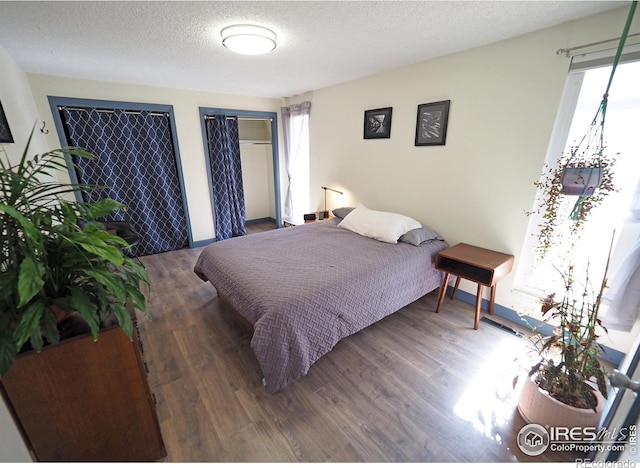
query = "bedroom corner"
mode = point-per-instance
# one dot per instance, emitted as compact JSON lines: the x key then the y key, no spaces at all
{"x":21,"y":114}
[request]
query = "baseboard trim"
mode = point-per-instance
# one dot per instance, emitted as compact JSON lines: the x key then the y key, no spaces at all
{"x":609,"y":354}
{"x":202,"y":243}
{"x":259,"y":220}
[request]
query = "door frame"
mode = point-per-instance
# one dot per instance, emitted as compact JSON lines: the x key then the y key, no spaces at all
{"x":55,"y":101}
{"x":240,"y":113}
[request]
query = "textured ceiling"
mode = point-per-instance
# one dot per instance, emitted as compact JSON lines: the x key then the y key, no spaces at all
{"x":320,"y":43}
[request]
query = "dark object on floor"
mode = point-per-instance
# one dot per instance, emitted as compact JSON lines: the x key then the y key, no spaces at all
{"x":123,"y":229}
{"x":502,"y":327}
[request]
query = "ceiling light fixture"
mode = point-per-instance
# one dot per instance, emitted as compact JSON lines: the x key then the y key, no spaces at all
{"x":248,"y":39}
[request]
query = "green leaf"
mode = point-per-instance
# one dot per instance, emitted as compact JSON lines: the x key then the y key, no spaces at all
{"x":81,"y":303}
{"x":36,"y":339}
{"x":95,"y":230}
{"x":97,"y":246}
{"x":124,"y":318}
{"x":138,"y":300}
{"x":111,"y":283}
{"x":7,"y":351}
{"x":102,"y":207}
{"x":28,"y":322}
{"x":28,"y":226}
{"x":138,"y":270}
{"x":30,"y":280}
{"x":49,"y":327}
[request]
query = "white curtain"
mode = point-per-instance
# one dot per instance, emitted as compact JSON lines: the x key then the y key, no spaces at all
{"x":634,"y":211}
{"x":621,"y":301}
{"x":295,"y":120}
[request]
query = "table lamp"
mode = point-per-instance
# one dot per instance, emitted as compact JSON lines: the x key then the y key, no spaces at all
{"x":325,"y":214}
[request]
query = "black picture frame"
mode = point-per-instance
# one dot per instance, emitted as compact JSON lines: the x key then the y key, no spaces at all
{"x":377,"y":123}
{"x":431,"y":123}
{"x":5,"y":131}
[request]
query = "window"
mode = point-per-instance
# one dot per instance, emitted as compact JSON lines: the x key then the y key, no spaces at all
{"x":295,"y":120}
{"x":583,"y":93}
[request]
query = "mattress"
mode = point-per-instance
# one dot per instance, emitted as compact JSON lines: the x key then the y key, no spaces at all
{"x":305,"y":288}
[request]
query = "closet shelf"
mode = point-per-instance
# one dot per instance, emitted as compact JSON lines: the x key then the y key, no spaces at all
{"x":254,"y":142}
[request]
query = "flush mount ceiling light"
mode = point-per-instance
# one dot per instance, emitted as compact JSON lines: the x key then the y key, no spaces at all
{"x":248,"y":39}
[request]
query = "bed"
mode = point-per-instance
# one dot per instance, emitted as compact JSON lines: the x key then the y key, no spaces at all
{"x":304,"y":288}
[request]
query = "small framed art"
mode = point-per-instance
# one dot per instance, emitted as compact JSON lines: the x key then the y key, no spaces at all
{"x":431,"y":125}
{"x":377,"y":123}
{"x":5,"y":131}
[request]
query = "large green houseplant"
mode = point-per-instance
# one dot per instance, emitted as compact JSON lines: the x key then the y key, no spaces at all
{"x":56,"y":258}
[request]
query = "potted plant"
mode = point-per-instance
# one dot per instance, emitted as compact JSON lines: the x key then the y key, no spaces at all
{"x":590,"y":180}
{"x":56,"y":260}
{"x":582,"y":179}
{"x":566,"y":386}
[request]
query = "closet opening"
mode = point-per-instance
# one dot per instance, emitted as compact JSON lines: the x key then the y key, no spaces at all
{"x":254,"y":197}
{"x":137,"y":164}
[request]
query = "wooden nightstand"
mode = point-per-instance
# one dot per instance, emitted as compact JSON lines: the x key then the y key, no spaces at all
{"x":289,"y":221}
{"x":482,"y":266}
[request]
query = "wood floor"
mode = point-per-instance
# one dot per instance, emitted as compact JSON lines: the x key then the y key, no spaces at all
{"x":416,"y":386}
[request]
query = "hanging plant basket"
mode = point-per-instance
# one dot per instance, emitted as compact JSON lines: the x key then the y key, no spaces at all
{"x":581,"y":181}
{"x":586,"y":171}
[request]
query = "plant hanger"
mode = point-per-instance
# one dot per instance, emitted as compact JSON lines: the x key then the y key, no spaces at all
{"x":584,"y":169}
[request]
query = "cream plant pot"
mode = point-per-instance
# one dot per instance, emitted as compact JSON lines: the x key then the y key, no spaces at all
{"x":537,"y":407}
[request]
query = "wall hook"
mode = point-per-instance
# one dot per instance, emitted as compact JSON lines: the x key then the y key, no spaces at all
{"x":46,"y":132}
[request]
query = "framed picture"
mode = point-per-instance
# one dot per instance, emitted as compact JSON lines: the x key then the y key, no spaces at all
{"x":377,"y":123}
{"x":431,"y":126}
{"x":5,"y":131}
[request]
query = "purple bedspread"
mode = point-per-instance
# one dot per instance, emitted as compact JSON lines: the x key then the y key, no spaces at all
{"x":305,"y":288}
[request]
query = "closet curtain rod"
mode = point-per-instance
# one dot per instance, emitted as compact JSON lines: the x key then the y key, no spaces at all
{"x":213,"y":117}
{"x":113,"y":111}
{"x":230,"y":117}
{"x":568,"y":52}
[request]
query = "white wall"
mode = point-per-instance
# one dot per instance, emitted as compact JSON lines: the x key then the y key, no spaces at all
{"x":256,"y":157}
{"x":185,"y":106}
{"x":19,"y":109}
{"x":257,"y":180}
{"x":21,"y":114}
{"x":476,"y":188}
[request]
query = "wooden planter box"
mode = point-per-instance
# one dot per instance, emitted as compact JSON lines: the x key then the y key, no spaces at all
{"x":82,"y":400}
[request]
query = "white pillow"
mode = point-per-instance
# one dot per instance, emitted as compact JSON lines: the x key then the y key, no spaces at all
{"x":380,"y":225}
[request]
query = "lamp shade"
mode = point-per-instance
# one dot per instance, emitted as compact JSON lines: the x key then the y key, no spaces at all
{"x":248,"y":39}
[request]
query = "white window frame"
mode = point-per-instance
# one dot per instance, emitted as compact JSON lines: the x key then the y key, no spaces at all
{"x":557,"y":144}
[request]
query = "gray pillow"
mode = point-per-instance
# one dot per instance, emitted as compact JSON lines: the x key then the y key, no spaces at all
{"x":342,"y":212}
{"x":420,"y":236}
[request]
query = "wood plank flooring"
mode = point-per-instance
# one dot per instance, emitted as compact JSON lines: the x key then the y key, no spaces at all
{"x":416,"y":386}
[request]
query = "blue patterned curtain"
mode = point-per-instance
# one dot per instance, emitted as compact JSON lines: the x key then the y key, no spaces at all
{"x":226,"y":175}
{"x":136,"y":162}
